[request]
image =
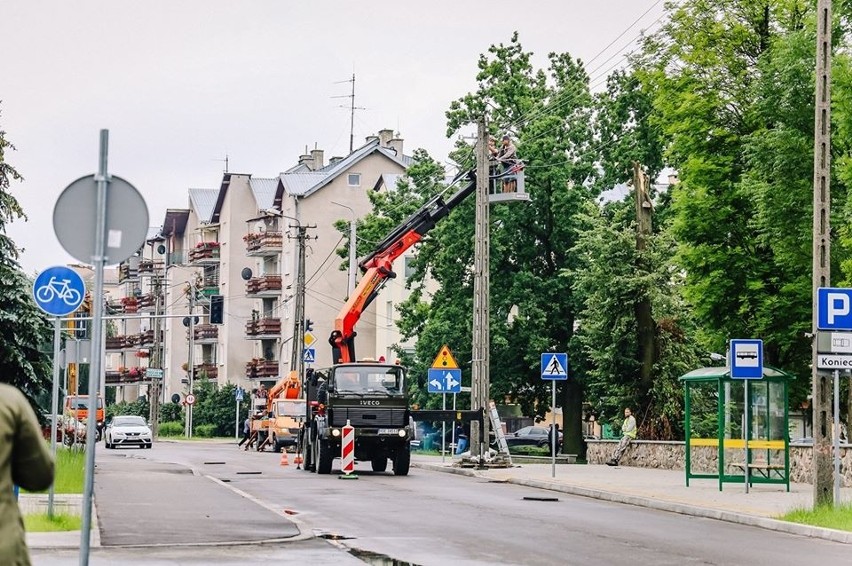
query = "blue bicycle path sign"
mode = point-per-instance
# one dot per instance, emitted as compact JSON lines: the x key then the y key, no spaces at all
{"x":59,"y":290}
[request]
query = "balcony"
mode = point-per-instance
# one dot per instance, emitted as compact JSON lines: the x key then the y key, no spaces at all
{"x":264,"y":286}
{"x":147,"y":303}
{"x":130,"y":305}
{"x":207,"y":369}
{"x":126,"y":274}
{"x":263,"y":329}
{"x":149,"y":267}
{"x":124,"y":376}
{"x":205,"y":334}
{"x":145,"y":338}
{"x":115,"y":343}
{"x":261,"y":244}
{"x":204,"y":253}
{"x":258,"y":368}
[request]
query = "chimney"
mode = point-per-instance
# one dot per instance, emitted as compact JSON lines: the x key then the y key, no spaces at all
{"x":371,"y":139}
{"x":306,"y":159}
{"x":673,"y":179}
{"x":317,"y":155}
{"x":396,"y":145}
{"x":385,"y":137}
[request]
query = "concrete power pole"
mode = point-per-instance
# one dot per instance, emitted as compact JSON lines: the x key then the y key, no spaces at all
{"x":480,"y":384}
{"x":297,"y":361}
{"x":822,"y":461}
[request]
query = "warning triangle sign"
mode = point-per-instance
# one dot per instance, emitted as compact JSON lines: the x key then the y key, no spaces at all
{"x":445,"y":359}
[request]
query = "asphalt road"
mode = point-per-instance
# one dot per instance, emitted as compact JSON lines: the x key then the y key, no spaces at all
{"x":429,"y":518}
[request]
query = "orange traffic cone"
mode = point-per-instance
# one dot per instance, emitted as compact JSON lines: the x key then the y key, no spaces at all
{"x":284,"y":461}
{"x":298,"y":459}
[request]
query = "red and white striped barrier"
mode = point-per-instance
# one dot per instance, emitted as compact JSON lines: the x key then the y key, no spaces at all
{"x":347,"y":449}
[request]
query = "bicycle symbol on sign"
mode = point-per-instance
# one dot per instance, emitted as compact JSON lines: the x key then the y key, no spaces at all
{"x":54,"y":289}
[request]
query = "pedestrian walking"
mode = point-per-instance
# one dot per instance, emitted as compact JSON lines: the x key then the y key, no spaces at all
{"x":24,"y":461}
{"x":246,"y":431}
{"x":628,"y":434}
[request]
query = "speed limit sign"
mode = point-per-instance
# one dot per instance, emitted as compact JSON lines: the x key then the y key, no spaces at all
{"x":190,"y":399}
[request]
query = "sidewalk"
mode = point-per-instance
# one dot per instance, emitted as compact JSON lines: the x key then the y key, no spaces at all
{"x":661,"y":489}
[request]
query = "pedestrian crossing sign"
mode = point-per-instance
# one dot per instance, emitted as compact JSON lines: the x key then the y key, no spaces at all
{"x":445,"y":359}
{"x":554,"y":366}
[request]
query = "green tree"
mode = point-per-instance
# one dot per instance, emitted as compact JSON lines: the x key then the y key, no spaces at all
{"x":733,"y":95}
{"x":214,"y":406}
{"x":24,"y":330}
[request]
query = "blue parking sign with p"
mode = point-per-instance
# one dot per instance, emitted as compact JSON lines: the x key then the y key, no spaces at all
{"x":834,"y":308}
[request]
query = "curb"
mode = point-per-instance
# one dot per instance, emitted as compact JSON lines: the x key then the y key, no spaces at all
{"x":833,"y":535}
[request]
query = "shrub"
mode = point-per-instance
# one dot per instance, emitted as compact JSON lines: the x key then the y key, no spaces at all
{"x":205,"y":430}
{"x":171,"y":429}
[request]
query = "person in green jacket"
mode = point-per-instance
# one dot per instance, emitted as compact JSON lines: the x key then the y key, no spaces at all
{"x":628,"y":434}
{"x":24,"y":461}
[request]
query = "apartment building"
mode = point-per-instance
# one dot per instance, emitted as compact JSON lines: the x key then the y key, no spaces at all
{"x":240,"y":242}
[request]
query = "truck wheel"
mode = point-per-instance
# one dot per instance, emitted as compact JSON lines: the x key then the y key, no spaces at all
{"x":379,"y":462}
{"x":307,"y":456}
{"x":325,"y":457}
{"x":401,"y":462}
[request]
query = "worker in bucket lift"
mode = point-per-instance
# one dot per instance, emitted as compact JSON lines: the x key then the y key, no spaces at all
{"x":507,"y":155}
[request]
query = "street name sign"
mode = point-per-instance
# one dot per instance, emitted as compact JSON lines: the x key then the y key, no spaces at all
{"x":834,"y":361}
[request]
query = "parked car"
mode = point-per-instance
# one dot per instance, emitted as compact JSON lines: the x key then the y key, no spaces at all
{"x":127,"y":430}
{"x":532,"y":436}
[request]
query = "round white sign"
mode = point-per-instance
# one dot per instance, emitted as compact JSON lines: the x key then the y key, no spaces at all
{"x":190,"y":399}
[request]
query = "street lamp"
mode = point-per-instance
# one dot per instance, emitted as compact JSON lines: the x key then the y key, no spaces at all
{"x":352,"y":242}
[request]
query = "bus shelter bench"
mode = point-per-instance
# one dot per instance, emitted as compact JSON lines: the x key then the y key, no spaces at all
{"x":763,"y":469}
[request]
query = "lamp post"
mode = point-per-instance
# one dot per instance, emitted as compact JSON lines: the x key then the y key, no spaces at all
{"x":352,"y":243}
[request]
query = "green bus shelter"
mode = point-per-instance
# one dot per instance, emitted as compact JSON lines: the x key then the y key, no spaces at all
{"x":715,"y":427}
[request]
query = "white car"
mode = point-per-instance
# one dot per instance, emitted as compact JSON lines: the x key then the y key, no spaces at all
{"x":127,"y":430}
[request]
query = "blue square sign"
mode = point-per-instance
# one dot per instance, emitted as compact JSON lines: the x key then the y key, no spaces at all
{"x":834,"y":309}
{"x":746,"y":359}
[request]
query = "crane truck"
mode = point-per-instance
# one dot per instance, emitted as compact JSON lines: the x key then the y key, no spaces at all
{"x":282,"y":411}
{"x":369,"y":395}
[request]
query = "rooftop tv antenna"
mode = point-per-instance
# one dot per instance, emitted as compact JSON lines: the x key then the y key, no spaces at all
{"x":352,"y":109}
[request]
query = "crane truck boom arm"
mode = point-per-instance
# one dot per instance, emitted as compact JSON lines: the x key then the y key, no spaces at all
{"x":378,"y":267}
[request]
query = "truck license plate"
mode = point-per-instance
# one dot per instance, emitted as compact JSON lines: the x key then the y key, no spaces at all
{"x":387,"y":431}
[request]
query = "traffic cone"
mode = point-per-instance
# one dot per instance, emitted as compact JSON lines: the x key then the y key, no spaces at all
{"x":284,"y":461}
{"x":298,"y":458}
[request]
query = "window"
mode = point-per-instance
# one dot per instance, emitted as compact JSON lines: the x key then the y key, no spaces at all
{"x":409,"y":266}
{"x":354,"y":179}
{"x":389,"y":313}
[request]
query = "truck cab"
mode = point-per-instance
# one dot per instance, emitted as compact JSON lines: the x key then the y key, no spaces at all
{"x":369,"y":396}
{"x":77,"y":406}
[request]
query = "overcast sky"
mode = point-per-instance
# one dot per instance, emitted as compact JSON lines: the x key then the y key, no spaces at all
{"x":181,"y":84}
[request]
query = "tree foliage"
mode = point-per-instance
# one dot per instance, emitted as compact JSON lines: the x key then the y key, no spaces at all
{"x":25,"y":333}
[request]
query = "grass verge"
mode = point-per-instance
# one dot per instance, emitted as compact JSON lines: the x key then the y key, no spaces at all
{"x":41,"y":523}
{"x":70,"y":470}
{"x":839,"y":518}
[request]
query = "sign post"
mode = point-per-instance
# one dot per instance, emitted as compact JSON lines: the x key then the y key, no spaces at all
{"x":746,"y":364}
{"x":58,"y":291}
{"x":238,"y":396}
{"x":554,"y":367}
{"x":444,"y":377}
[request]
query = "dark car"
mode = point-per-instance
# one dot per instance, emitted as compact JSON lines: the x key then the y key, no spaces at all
{"x":532,"y":436}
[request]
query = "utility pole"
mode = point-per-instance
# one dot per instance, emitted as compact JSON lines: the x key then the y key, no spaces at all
{"x":821,"y":250}
{"x":193,"y":289}
{"x":156,"y":361}
{"x":297,"y":360}
{"x":480,"y":383}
